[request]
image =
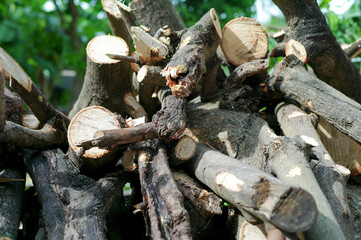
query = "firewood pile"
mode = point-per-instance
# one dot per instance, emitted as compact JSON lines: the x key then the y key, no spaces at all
{"x":259,"y":153}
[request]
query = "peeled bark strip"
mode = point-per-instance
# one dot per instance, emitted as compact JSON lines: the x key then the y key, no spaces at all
{"x":73,"y":205}
{"x":156,"y":14}
{"x":11,"y":202}
{"x":306,"y":24}
{"x":288,"y":208}
{"x":168,"y":218}
{"x":290,"y":163}
{"x":294,"y":81}
{"x":107,"y":81}
{"x":198,"y":45}
{"x":244,"y":40}
{"x":116,"y":20}
{"x":332,"y":178}
{"x":82,"y":128}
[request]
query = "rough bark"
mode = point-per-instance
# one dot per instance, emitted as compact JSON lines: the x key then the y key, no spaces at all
{"x":332,"y":178}
{"x":288,"y":208}
{"x":2,"y":96}
{"x":73,"y":205}
{"x":306,"y":24}
{"x":107,"y":81}
{"x":354,"y":195}
{"x":198,"y":45}
{"x":168,"y":218}
{"x":11,"y":202}
{"x":14,"y":107}
{"x":156,"y":14}
{"x":294,"y":81}
{"x":289,"y":162}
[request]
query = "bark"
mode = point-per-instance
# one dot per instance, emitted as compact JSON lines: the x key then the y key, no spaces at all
{"x":332,"y":178}
{"x":11,"y":203}
{"x":156,"y":14}
{"x":107,"y":81}
{"x":306,"y":24}
{"x":354,"y":195}
{"x":293,"y":80}
{"x":197,"y":46}
{"x":289,"y":162}
{"x":168,"y":218}
{"x":14,"y":107}
{"x":73,"y":205}
{"x":288,"y":208}
{"x":2,"y":96}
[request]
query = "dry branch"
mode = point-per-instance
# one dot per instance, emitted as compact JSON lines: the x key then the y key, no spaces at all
{"x":197,"y":46}
{"x":244,"y":40}
{"x":306,"y":24}
{"x":73,"y":205}
{"x":294,"y":81}
{"x":354,"y":49}
{"x":332,"y":178}
{"x":107,"y":81}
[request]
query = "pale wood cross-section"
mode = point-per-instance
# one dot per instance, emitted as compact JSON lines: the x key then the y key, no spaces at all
{"x":244,"y":40}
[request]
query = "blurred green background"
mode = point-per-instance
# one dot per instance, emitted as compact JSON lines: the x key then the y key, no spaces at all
{"x":48,"y":37}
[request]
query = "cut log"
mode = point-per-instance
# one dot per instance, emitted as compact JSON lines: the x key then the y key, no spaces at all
{"x":244,"y":40}
{"x":296,"y":48}
{"x":290,"y":163}
{"x":332,"y":178}
{"x":294,"y":81}
{"x":156,"y":14}
{"x":82,"y":128}
{"x":198,"y":45}
{"x":150,"y":49}
{"x":306,"y":24}
{"x":128,"y":160}
{"x":30,"y":121}
{"x":168,"y":218}
{"x":72,"y":204}
{"x":11,"y":201}
{"x":183,"y":150}
{"x":107,"y":81}
{"x":288,"y":208}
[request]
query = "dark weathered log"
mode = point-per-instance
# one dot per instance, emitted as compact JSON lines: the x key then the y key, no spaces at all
{"x":49,"y":136}
{"x":2,"y":96}
{"x":332,"y":178}
{"x":11,"y":202}
{"x":294,"y":81}
{"x":14,"y":107}
{"x":289,"y":162}
{"x":306,"y":24}
{"x":197,"y":46}
{"x":73,"y":205}
{"x":354,"y":196}
{"x":107,"y":81}
{"x":168,"y":218}
{"x":279,"y":50}
{"x":288,"y":208}
{"x":156,"y":14}
{"x":246,"y":70}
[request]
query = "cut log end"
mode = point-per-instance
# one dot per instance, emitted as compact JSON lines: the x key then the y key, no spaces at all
{"x":85,"y":124}
{"x":185,"y":148}
{"x":30,"y":121}
{"x":244,"y":40}
{"x":296,"y":48}
{"x":216,"y":23}
{"x":100,"y":46}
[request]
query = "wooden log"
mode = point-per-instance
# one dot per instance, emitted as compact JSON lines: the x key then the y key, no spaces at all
{"x":11,"y":201}
{"x":168,"y":218}
{"x":244,"y":40}
{"x":156,"y":14}
{"x":82,"y":128}
{"x":30,"y":121}
{"x":182,"y":151}
{"x":197,"y":46}
{"x":288,"y":208}
{"x":294,"y":81}
{"x":296,"y":48}
{"x":72,"y":204}
{"x":332,"y":178}
{"x":290,"y":163}
{"x":306,"y":24}
{"x":354,"y":195}
{"x":14,"y":107}
{"x":354,"y":49}
{"x":33,"y":97}
{"x":107,"y":81}
{"x":116,"y":20}
{"x":2,"y":96}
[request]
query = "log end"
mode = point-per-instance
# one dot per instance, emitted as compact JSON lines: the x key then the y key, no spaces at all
{"x":296,"y":48}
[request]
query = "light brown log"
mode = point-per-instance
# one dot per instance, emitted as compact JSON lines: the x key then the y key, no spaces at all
{"x":244,"y":40}
{"x":82,"y":128}
{"x":128,"y":160}
{"x":107,"y":81}
{"x":332,"y":178}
